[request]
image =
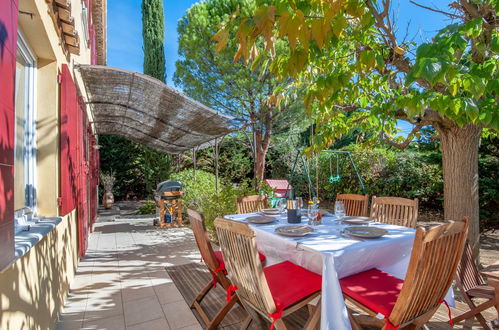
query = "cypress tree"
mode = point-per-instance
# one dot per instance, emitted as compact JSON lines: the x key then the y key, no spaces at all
{"x":153,"y":29}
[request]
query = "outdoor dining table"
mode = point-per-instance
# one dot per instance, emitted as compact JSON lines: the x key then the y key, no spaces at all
{"x":329,"y":252}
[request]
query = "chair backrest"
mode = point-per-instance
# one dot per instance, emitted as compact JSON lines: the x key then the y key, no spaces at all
{"x":250,"y":204}
{"x":355,"y":205}
{"x":434,"y":259}
{"x":395,"y":211}
{"x":467,"y":274}
{"x":238,"y":245}
{"x":202,"y":239}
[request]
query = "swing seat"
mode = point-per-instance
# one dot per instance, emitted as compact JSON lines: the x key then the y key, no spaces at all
{"x":334,"y":179}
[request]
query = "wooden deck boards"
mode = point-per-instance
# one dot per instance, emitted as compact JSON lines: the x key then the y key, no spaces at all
{"x":189,"y":279}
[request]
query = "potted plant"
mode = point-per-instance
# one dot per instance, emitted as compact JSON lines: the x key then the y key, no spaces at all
{"x":108,"y":180}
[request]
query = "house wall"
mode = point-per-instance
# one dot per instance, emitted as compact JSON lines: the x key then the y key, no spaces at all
{"x":33,"y":289}
{"x":8,"y":46}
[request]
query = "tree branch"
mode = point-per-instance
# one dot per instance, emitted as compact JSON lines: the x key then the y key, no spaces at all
{"x":406,"y":142}
{"x":435,"y":10}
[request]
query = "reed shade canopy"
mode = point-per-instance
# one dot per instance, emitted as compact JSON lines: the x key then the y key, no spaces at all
{"x":145,"y":110}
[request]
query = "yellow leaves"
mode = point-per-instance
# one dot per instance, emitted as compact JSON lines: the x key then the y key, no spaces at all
{"x":399,"y":50}
{"x":339,"y":25}
{"x":367,"y":60}
{"x":221,"y":37}
{"x":332,"y":8}
{"x":294,"y":26}
{"x":283,"y":23}
{"x":320,"y":30}
{"x":264,"y":22}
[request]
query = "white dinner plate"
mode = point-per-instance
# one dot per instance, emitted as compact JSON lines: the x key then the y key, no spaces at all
{"x":294,"y":231}
{"x":270,"y":211}
{"x":259,"y":219}
{"x":357,"y":220}
{"x":365,"y":232}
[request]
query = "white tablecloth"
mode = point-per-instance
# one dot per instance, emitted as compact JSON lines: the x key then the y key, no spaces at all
{"x":334,"y":256}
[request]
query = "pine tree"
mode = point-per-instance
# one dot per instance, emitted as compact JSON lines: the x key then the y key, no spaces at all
{"x":153,"y":30}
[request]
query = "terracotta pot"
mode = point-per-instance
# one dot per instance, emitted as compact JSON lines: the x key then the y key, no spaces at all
{"x":108,"y":200}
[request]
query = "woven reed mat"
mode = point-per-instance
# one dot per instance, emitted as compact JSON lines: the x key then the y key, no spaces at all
{"x":191,"y":277}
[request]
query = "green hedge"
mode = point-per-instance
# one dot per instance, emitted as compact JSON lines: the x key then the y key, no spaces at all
{"x":384,"y":173}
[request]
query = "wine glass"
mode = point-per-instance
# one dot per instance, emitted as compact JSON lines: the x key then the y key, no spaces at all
{"x":339,"y":210}
{"x":281,"y":205}
{"x":312,"y":213}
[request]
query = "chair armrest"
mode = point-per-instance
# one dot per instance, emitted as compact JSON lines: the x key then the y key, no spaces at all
{"x":493,"y":280}
{"x":491,"y":275}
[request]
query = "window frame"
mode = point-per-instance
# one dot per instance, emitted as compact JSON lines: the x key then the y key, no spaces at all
{"x":30,"y":136}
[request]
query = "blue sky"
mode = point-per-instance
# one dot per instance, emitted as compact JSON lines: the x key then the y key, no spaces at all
{"x":124,"y":28}
{"x":124,"y":48}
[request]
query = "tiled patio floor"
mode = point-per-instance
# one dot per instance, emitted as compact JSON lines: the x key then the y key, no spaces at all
{"x":122,"y":282}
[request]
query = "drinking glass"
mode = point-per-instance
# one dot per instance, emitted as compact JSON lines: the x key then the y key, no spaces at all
{"x":299,"y":204}
{"x":281,"y":205}
{"x":339,"y":210}
{"x":312,"y":213}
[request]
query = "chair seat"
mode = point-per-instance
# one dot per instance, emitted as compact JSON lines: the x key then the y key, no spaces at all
{"x":374,"y":289}
{"x":221,"y":262}
{"x":290,"y":283}
{"x":482,"y":291}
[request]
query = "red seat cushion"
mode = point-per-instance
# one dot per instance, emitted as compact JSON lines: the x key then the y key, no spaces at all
{"x":290,"y":283}
{"x":374,"y":289}
{"x":220,"y":258}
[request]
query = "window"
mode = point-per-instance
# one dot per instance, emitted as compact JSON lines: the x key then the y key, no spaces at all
{"x":25,"y":130}
{"x":84,"y":21}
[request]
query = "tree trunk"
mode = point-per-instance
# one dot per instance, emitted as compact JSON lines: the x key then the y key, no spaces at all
{"x":261,"y":147}
{"x":260,"y":155}
{"x":460,"y":171}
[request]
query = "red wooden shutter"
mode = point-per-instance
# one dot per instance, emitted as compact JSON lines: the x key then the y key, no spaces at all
{"x":68,"y":141}
{"x":83,"y":180}
{"x":8,"y":49}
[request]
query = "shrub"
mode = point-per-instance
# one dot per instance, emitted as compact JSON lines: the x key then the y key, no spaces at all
{"x":148,"y":208}
{"x":384,"y":173}
{"x":200,"y":193}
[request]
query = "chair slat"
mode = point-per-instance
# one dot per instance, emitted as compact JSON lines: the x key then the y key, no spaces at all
{"x":250,"y":204}
{"x":395,"y":211}
{"x":434,"y":259}
{"x":355,"y":205}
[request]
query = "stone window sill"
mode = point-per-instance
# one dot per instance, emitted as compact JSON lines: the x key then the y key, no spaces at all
{"x":32,"y":233}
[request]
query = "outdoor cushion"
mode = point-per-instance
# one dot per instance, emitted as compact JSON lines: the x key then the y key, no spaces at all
{"x":220,"y":259}
{"x":290,"y":283}
{"x":374,"y":289}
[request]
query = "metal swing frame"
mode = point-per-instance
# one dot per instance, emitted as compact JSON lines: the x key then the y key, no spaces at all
{"x":307,"y":172}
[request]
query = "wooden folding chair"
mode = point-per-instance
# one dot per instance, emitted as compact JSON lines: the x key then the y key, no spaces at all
{"x":355,"y":205}
{"x":272,"y":292}
{"x":250,"y":204}
{"x":214,"y":262}
{"x":472,"y":285}
{"x":395,"y":211}
{"x":411,"y":302}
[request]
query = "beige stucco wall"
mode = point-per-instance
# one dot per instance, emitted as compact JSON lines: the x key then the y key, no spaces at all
{"x":42,"y":37}
{"x":33,"y":289}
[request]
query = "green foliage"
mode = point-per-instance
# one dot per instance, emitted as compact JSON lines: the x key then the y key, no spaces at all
{"x":363,"y":81}
{"x":153,"y":30}
{"x":149,"y":207}
{"x":200,"y":194}
{"x":251,"y":95}
{"x":384,"y":173}
{"x":488,"y":168}
{"x":137,"y":169}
